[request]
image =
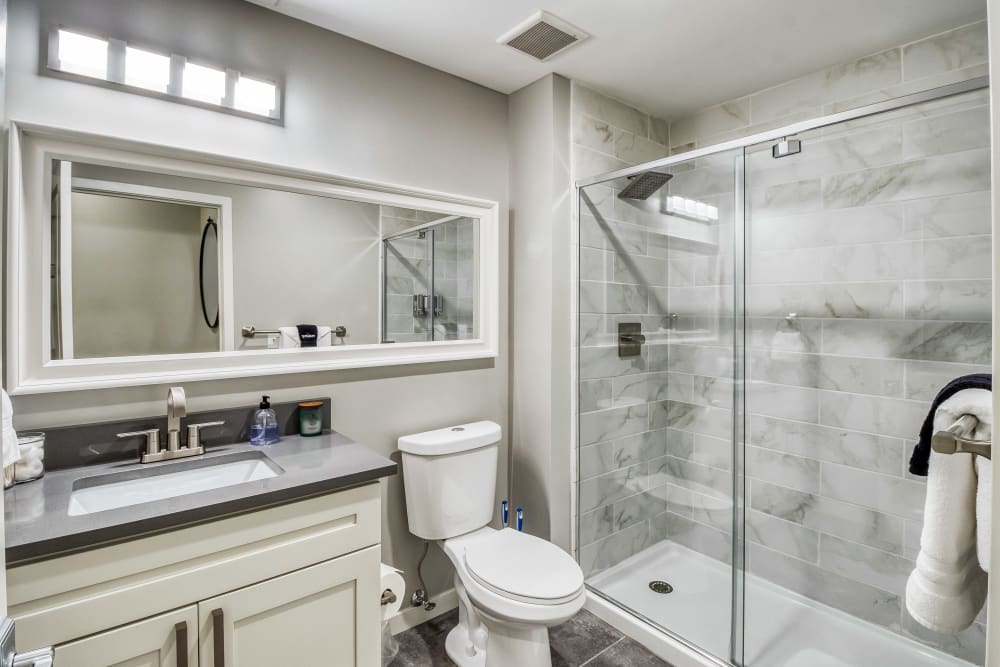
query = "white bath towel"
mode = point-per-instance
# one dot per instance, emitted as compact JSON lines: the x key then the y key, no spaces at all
{"x":948,"y":587}
{"x":290,"y":337}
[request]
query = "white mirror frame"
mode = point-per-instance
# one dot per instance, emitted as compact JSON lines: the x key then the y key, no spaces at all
{"x":30,"y":369}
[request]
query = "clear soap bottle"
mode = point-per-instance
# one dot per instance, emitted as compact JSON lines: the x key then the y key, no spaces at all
{"x":264,"y":430}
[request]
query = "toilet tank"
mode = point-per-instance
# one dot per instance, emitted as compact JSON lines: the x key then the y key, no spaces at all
{"x":450,"y":479}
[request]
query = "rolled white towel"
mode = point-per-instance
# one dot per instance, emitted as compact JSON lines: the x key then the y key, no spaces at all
{"x":948,"y":587}
{"x":290,"y":337}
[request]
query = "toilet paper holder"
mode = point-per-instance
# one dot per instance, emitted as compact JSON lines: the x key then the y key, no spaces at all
{"x":388,"y":597}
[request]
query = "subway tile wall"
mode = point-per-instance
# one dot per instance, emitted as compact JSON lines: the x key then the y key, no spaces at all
{"x":868,"y":288}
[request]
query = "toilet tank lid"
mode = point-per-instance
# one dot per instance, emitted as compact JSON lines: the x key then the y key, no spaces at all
{"x":451,"y":439}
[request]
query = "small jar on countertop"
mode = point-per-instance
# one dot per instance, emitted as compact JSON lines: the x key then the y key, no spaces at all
{"x":310,"y":418}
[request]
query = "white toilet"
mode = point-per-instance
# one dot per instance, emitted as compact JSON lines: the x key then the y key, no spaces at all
{"x":511,"y":586}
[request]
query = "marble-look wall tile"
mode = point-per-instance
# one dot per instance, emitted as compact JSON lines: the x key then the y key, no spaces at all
{"x":729,"y":116}
{"x":607,"y":298}
{"x":841,"y":519}
{"x":593,"y":133}
{"x":615,"y":548}
{"x":784,"y":536}
{"x":925,"y":378}
{"x":955,"y":300}
{"x":960,"y":342}
{"x":596,"y":525}
{"x":602,"y":362}
{"x":942,"y":217}
{"x":775,"y":400}
{"x":613,"y":486}
{"x":885,"y":416}
{"x":895,"y":495}
{"x":595,"y":395}
{"x":795,"y":472}
{"x":636,"y":149}
{"x":948,"y":51}
{"x":716,"y":422}
{"x":947,"y":133}
{"x":869,"y":566}
{"x":869,"y":224}
{"x":702,"y":479}
{"x":858,"y":599}
{"x":619,"y":114}
{"x":613,"y":423}
{"x":640,"y":507}
{"x":954,"y":173}
{"x":704,"y":539}
{"x":836,"y":445}
{"x":810,"y":92}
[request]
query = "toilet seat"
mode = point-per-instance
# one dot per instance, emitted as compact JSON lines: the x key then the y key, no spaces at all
{"x":521,"y":567}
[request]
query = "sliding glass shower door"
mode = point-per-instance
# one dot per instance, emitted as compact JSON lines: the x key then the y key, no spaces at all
{"x":868,"y":290}
{"x":761,"y":332}
{"x":658,"y":525}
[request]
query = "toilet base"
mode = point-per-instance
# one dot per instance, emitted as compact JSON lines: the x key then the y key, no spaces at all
{"x":455,"y":646}
{"x":525,"y":646}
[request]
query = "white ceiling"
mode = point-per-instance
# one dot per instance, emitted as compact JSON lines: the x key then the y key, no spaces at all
{"x":665,"y":56}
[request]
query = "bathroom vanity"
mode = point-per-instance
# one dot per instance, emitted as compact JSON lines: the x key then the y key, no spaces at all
{"x":281,"y":570}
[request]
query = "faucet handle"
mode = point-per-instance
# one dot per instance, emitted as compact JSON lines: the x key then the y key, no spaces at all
{"x":152,"y":436}
{"x":194,"y":433}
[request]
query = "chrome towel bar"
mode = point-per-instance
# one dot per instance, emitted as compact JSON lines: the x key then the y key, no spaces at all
{"x":252,"y":331}
{"x":955,"y":439}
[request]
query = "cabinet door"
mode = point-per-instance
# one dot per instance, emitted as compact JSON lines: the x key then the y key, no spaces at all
{"x":324,"y":615}
{"x":168,"y":640}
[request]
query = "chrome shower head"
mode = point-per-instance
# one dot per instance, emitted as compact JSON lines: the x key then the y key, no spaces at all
{"x":642,"y":186}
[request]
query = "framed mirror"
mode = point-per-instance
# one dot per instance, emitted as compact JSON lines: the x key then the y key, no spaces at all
{"x":134,"y":264}
{"x":208,"y":274}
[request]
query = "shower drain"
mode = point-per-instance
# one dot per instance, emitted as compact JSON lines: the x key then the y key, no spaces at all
{"x":660,"y":587}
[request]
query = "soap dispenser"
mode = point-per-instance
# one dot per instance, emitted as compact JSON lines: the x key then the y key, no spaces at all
{"x":264,"y":430}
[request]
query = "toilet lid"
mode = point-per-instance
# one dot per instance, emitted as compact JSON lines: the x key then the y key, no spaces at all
{"x":522,"y":566}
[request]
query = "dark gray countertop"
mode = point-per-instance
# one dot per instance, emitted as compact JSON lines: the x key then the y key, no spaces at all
{"x":38,"y":525}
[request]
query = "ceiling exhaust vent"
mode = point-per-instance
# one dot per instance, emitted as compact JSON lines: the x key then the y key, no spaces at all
{"x":542,"y":36}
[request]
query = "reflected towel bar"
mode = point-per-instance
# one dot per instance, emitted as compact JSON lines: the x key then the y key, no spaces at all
{"x":251,"y":332}
{"x":955,"y":439}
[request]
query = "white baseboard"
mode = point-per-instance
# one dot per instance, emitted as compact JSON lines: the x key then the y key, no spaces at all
{"x":413,"y":616}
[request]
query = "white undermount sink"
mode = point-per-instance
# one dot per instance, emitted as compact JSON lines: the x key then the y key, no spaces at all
{"x":169,"y":480}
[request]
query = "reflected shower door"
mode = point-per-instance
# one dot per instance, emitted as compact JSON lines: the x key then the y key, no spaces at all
{"x":408,"y":286}
{"x":659,"y":530}
{"x":869,"y":289}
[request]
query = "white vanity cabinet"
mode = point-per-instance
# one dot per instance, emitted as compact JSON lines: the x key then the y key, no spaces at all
{"x":311,"y":617}
{"x":162,"y":641}
{"x":293,"y":584}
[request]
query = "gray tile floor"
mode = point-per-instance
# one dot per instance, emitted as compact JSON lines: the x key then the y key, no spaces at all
{"x":582,"y":640}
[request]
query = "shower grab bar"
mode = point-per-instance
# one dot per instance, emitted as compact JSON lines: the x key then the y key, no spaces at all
{"x":954,"y":439}
{"x":252,"y":331}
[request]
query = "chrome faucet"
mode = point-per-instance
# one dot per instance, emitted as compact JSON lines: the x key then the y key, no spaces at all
{"x":176,"y":410}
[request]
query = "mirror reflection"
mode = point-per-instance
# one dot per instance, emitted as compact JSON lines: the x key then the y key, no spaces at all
{"x":149,"y":263}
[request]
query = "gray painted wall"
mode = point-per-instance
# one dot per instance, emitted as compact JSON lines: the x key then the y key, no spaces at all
{"x":542,"y":362}
{"x":349,"y":109}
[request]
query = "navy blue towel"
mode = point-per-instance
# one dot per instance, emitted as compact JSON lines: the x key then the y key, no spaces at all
{"x":308,"y":334}
{"x":921,"y":457}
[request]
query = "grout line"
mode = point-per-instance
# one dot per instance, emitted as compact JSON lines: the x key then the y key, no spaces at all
{"x":603,"y":651}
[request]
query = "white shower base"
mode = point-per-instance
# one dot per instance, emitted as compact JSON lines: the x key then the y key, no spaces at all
{"x":783,"y":629}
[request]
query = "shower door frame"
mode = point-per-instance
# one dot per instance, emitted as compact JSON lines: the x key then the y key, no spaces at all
{"x":740,"y":310}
